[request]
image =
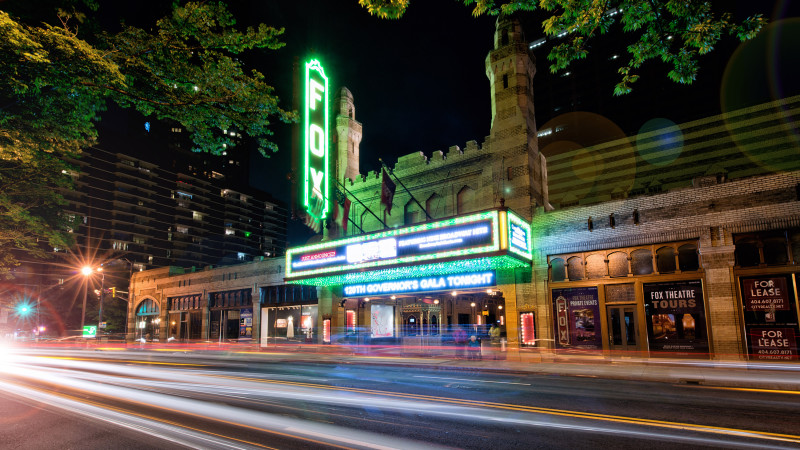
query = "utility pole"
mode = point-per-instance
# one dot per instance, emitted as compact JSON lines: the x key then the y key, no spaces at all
{"x":102,"y":294}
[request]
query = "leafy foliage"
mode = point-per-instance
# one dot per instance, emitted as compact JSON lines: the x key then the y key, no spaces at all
{"x":385,"y":9}
{"x":56,"y":84}
{"x":186,"y":71}
{"x":674,"y":31}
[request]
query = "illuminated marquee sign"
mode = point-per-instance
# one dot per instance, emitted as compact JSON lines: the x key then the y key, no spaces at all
{"x":315,"y":159}
{"x":423,"y":284}
{"x":499,"y":235}
{"x":519,"y":236}
{"x":476,"y":233}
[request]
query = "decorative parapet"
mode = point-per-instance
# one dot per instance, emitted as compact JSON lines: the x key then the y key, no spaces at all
{"x":418,"y":161}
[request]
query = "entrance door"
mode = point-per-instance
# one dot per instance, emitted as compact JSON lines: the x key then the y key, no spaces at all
{"x":623,"y":328}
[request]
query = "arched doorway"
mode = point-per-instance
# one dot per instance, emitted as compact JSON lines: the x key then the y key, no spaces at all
{"x":148,"y":323}
{"x":411,"y":325}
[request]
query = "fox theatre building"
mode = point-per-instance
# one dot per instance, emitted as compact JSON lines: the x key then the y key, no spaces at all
{"x":416,"y":284}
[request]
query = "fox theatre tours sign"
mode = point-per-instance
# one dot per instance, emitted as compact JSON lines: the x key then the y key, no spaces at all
{"x":676,"y":318}
{"x":315,"y":156}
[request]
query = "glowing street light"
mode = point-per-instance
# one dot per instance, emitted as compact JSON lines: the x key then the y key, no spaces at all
{"x":88,"y":271}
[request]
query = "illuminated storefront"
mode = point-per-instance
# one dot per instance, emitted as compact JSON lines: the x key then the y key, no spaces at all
{"x":185,"y":317}
{"x":645,"y":301}
{"x":289,"y":314}
{"x":231,"y":315}
{"x":767,"y":272}
{"x":417,"y":283}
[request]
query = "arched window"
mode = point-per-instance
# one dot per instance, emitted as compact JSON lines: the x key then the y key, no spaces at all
{"x":775,"y":250}
{"x":363,"y":219}
{"x":465,"y":200}
{"x":412,"y":213}
{"x":747,"y":252}
{"x":794,"y":244}
{"x":575,"y":268}
{"x":641,"y":262}
{"x":558,"y":270}
{"x":665,"y":260}
{"x":435,"y":205}
{"x":618,"y":264}
{"x":147,"y":308}
{"x":596,"y":266}
{"x":687,"y":258}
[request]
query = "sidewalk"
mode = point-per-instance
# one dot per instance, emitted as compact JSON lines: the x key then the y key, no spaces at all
{"x":728,"y":373}
{"x":719,"y":373}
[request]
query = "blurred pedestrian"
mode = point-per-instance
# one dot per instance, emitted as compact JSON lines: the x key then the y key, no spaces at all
{"x":494,"y":339}
{"x":474,"y":348}
{"x":460,"y":340}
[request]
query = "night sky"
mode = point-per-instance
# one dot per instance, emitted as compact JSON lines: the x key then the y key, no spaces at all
{"x":419,"y":83}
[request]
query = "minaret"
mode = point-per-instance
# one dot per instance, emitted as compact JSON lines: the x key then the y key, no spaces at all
{"x":348,"y":136}
{"x":510,"y":67}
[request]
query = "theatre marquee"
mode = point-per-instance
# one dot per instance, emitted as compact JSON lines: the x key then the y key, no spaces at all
{"x":493,"y":239}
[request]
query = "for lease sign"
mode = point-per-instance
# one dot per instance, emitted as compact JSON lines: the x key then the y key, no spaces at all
{"x":765,"y":294}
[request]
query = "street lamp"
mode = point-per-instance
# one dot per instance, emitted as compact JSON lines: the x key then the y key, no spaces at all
{"x":87,"y":271}
{"x":474,"y":317}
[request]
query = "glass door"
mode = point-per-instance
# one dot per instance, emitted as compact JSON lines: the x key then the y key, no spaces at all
{"x":623,"y":328}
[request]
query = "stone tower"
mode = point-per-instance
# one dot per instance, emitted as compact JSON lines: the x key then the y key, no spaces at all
{"x":348,"y":136}
{"x":510,"y":67}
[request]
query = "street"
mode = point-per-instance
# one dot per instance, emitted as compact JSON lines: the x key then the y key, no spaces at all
{"x":204,"y":400}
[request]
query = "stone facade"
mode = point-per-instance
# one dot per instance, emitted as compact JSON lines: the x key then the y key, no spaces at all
{"x":161,"y":285}
{"x":616,"y":220}
{"x":704,"y":182}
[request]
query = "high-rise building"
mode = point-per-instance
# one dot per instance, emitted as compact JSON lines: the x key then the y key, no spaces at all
{"x":144,"y":200}
{"x":155,"y":217}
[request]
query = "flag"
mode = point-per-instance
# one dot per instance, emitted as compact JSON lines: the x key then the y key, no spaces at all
{"x":311,"y":219}
{"x":342,"y":212}
{"x":387,"y":192}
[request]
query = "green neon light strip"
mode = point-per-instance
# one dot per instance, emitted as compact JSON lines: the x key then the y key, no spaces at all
{"x":315,"y":65}
{"x":447,"y":268}
{"x":516,"y":220}
{"x":493,"y":247}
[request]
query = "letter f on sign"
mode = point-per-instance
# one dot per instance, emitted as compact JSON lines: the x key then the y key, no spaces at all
{"x":316,"y":93}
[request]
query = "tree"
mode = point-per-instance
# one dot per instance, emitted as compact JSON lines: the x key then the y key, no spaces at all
{"x":676,"y":32}
{"x":57,"y":82}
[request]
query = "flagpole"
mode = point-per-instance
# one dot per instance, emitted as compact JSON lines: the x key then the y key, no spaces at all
{"x":355,"y":225}
{"x":404,"y":187}
{"x":362,"y":204}
{"x":348,"y":215}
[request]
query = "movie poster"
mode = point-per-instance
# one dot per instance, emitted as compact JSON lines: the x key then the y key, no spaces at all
{"x":382,"y":320}
{"x":246,"y":323}
{"x":577,"y":315}
{"x":770,"y":317}
{"x":676,"y":318}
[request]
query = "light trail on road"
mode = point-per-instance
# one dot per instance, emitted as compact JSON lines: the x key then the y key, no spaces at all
{"x":120,"y":390}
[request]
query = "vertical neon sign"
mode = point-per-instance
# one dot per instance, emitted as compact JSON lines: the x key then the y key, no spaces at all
{"x":315,"y":160}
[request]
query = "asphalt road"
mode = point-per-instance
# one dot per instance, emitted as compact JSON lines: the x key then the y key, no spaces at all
{"x":91,"y":399}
